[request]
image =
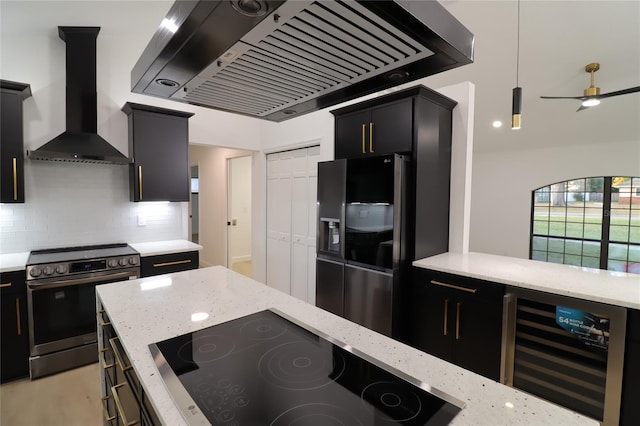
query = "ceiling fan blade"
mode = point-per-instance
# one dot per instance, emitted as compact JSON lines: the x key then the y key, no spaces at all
{"x":619,"y":92}
{"x":582,"y":107}
{"x":581,"y":98}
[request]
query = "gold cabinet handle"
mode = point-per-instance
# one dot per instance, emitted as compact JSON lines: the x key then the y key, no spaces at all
{"x":455,"y":287}
{"x":446,"y":314}
{"x":112,"y":342}
{"x":116,"y":398}
{"x":103,"y":359}
{"x":371,"y":137}
{"x":177,"y":262}
{"x":364,"y":127}
{"x":5,"y":285}
{"x":18,"y":315}
{"x":105,"y":410}
{"x":140,"y":182}
{"x":15,"y":179}
{"x":101,"y":320}
{"x":458,"y":308}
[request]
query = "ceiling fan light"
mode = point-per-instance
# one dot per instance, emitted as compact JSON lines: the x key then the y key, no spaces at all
{"x":590,"y":102}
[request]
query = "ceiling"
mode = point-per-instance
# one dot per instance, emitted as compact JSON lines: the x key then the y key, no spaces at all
{"x":557,"y":39}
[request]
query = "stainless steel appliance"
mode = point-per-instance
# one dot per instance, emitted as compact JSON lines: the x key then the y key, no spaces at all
{"x":276,"y":59}
{"x":61,"y":301}
{"x":362,"y":238}
{"x":566,"y":350}
{"x":269,"y":369}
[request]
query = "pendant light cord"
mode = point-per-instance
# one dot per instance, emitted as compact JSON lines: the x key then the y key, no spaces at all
{"x":518,"y":48}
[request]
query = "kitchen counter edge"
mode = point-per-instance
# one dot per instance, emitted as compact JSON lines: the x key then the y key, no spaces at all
{"x":610,"y":287}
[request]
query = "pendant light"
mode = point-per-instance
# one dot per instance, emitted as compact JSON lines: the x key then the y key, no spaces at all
{"x":516,"y":105}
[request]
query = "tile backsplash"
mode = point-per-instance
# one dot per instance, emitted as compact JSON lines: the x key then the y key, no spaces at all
{"x":70,"y":204}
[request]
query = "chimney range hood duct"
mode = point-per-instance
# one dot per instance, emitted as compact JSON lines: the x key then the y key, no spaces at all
{"x":275,"y":59}
{"x":80,"y":142}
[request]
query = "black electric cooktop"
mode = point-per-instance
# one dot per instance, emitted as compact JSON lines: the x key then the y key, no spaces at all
{"x":264,"y":369}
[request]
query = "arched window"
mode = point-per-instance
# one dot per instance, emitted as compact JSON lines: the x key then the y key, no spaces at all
{"x":592,"y":222}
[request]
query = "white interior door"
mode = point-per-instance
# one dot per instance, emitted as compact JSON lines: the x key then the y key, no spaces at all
{"x":291,"y":221}
{"x":239,"y":211}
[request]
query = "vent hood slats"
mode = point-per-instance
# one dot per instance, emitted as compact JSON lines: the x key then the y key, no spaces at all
{"x":302,"y":55}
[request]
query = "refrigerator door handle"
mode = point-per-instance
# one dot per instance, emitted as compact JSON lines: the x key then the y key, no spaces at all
{"x":398,"y":207}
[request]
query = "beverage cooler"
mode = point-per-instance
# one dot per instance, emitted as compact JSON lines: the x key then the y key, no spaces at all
{"x":361,"y":240}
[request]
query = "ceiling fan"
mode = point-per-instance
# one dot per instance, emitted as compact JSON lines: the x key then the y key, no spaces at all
{"x":592,"y":94}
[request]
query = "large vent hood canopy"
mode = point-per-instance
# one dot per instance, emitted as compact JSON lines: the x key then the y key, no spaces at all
{"x":280,"y":59}
{"x":80,"y":142}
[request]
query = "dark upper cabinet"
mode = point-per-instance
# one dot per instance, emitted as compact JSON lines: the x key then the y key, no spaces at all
{"x":11,"y":141}
{"x":378,"y":130}
{"x":14,"y":337}
{"x":159,"y":146}
{"x":458,"y":319}
{"x":417,"y":122}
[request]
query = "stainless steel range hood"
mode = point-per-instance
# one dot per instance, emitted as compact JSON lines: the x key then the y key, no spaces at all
{"x":280,"y":59}
{"x":80,"y":142}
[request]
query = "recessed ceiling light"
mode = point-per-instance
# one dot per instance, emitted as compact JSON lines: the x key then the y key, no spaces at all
{"x":497,"y":124}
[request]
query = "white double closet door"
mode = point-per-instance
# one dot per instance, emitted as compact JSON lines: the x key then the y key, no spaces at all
{"x":291,"y":221}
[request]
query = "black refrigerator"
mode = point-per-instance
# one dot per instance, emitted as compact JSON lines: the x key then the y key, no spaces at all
{"x":362,"y":238}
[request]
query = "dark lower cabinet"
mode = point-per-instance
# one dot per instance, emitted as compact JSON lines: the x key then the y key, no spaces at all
{"x":12,"y":94}
{"x":14,"y":337}
{"x":630,"y":407}
{"x":168,"y":263}
{"x":458,"y":319}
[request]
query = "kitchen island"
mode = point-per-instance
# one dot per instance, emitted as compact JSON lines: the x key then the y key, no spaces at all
{"x":153,"y":309}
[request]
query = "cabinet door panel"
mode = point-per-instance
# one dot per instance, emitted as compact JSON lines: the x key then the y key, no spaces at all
{"x":11,"y":155}
{"x":392,"y":129}
{"x":161,"y":150}
{"x":14,"y":332}
{"x":352,"y":135}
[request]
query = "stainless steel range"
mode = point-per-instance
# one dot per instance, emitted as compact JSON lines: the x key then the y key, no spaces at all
{"x":61,"y":301}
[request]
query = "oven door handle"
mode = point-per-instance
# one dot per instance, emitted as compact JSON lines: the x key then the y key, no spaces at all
{"x":77,"y":281}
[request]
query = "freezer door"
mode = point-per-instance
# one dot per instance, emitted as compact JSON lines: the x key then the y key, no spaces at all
{"x":330,"y":205}
{"x":329,"y":285}
{"x":368,"y":298}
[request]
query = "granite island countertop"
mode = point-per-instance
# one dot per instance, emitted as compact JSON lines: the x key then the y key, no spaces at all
{"x":153,"y":309}
{"x":597,"y":285}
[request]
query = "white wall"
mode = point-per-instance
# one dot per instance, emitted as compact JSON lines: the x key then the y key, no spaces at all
{"x":71,"y":204}
{"x":212,"y":173}
{"x":503,"y":181}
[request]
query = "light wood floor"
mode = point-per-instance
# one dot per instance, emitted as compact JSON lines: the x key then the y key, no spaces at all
{"x":70,"y":398}
{"x":243,"y":268}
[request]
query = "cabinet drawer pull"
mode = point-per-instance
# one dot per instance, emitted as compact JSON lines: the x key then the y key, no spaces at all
{"x":112,"y":342}
{"x":18,"y":315}
{"x":371,"y":137}
{"x":446,"y":314}
{"x":177,"y":262}
{"x":103,"y":360}
{"x":455,"y":287}
{"x":105,"y":410}
{"x":101,"y":320}
{"x":458,"y":308}
{"x":116,"y":398}
{"x":140,"y":182}
{"x":364,"y":149}
{"x":5,"y":285}
{"x":15,"y":179}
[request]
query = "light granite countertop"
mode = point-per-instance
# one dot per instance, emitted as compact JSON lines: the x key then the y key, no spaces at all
{"x":17,"y":261}
{"x":155,"y":248}
{"x":153,"y":309}
{"x":614,"y":288}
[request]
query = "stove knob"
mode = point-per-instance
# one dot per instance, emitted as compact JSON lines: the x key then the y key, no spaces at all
{"x":35,"y":272}
{"x":122,"y":261}
{"x":48,"y":270}
{"x":112,"y":263}
{"x":61,"y":269}
{"x":133,"y":260}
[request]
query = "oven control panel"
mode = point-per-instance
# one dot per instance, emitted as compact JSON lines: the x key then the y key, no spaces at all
{"x":83,"y":266}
